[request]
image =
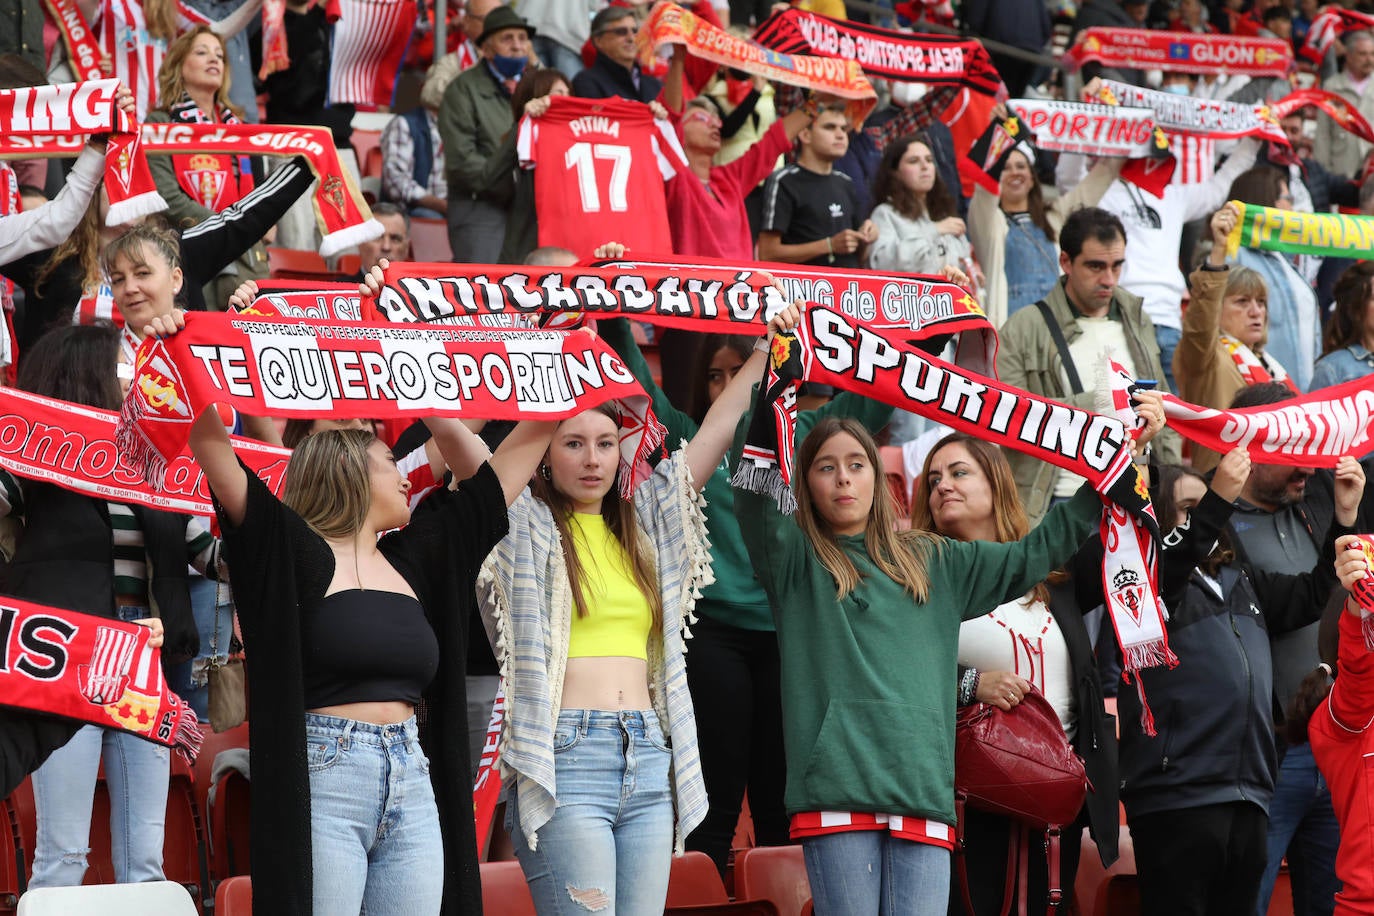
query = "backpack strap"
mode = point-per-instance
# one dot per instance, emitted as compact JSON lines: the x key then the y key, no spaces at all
{"x":1062,"y":345}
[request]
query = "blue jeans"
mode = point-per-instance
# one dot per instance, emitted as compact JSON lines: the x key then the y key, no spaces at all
{"x":1303,"y":823}
{"x":1168,"y":339}
{"x":374,"y":827}
{"x":609,"y":846}
{"x":559,"y":57}
{"x":863,"y":872}
{"x":189,"y":679}
{"x":136,"y":773}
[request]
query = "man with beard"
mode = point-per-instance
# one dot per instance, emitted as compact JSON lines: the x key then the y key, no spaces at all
{"x":1281,"y":513}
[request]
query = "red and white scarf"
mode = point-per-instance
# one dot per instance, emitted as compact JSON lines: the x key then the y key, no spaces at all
{"x":1255,"y":368}
{"x":1102,"y":130}
{"x":91,"y":669}
{"x":1331,"y":24}
{"x":1182,"y":114}
{"x":83,"y":50}
{"x":283,"y":368}
{"x":216,"y":182}
{"x":1333,"y":104}
{"x":1363,"y":592}
{"x":44,"y":121}
{"x":1181,"y":52}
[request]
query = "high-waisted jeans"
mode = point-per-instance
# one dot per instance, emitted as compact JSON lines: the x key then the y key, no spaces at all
{"x":609,"y":846}
{"x":374,"y":827}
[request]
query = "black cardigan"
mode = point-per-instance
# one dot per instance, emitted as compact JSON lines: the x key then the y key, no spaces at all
{"x":277,"y":565}
{"x":206,"y":249}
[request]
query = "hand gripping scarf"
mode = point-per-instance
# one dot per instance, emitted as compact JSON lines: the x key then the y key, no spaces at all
{"x":1182,"y":114}
{"x":91,"y":669}
{"x":910,"y":307}
{"x":1363,"y":592}
{"x":671,"y":24}
{"x":1180,"y":52}
{"x":1291,"y":232}
{"x":831,"y":348}
{"x":935,"y":60}
{"x":1102,"y":130}
{"x":45,"y":121}
{"x":296,"y":368}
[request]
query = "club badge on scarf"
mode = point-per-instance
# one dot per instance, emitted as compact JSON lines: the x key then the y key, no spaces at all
{"x":1291,"y":232}
{"x":831,"y":348}
{"x":91,"y":669}
{"x":1102,"y":130}
{"x":934,"y":60}
{"x":1184,"y":114}
{"x":671,"y":24}
{"x":1363,"y":592}
{"x":988,"y":156}
{"x":1180,"y":52}
{"x":43,"y":121}
{"x":296,"y":368}
{"x":911,"y":307}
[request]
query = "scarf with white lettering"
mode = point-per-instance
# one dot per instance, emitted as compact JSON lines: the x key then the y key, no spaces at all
{"x":44,"y":121}
{"x":935,"y":60}
{"x":1184,"y":114}
{"x":1180,"y":52}
{"x":1102,"y":130}
{"x":84,"y":55}
{"x":269,"y":366}
{"x":92,"y":669}
{"x":1363,"y":592}
{"x":831,"y":348}
{"x":1256,"y":368}
{"x":670,"y":24}
{"x":1291,"y":232}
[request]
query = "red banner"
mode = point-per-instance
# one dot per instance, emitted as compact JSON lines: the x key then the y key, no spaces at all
{"x":1332,"y":104}
{"x":1180,"y":52}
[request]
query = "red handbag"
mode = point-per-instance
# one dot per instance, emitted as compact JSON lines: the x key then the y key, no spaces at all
{"x":1020,"y":765}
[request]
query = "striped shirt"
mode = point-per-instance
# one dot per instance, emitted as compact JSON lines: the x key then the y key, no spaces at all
{"x":915,"y":829}
{"x":134,"y":52}
{"x":369,"y":47}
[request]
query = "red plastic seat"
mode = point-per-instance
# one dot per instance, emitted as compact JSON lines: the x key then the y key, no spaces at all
{"x":776,"y":874}
{"x":230,"y":829}
{"x":1096,"y":887}
{"x":694,"y":881}
{"x":504,"y":892}
{"x":296,"y":264}
{"x":234,"y":897}
{"x":367,"y":146}
{"x":185,"y":847}
{"x":429,"y":240}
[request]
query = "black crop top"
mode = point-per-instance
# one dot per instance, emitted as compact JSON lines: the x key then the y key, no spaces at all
{"x":367,"y":646}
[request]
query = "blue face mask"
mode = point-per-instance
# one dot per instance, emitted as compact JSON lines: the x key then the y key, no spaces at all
{"x":509,"y":67}
{"x":1178,"y":89}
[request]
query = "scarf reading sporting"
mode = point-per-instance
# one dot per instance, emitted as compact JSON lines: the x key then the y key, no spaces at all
{"x":1330,"y":24}
{"x":671,"y":24}
{"x":1102,"y":130}
{"x":908,"y":307}
{"x":43,"y":121}
{"x":1181,"y":52}
{"x":1291,"y":232}
{"x":73,"y":447}
{"x":83,"y":51}
{"x":1333,"y":104}
{"x":1256,"y":368}
{"x":831,"y":348}
{"x":1363,"y":592}
{"x":91,"y":669}
{"x":296,"y":368}
{"x":1201,"y":117}
{"x":935,"y":60}
{"x":486,"y":788}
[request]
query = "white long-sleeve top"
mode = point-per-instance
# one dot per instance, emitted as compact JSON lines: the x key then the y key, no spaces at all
{"x":50,"y":225}
{"x":913,"y":245}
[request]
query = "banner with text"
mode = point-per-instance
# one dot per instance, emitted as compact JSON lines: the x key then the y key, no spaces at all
{"x":1203,"y":117}
{"x":1181,"y":52}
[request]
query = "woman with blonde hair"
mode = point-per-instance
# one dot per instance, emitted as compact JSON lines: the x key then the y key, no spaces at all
{"x":353,"y":611}
{"x":868,"y":626}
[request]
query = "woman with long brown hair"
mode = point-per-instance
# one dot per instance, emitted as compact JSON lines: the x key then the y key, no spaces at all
{"x":1349,"y":334}
{"x":966,"y":491}
{"x":919,"y":229}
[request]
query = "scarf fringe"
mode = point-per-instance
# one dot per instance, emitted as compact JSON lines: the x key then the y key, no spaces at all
{"x":136,"y":448}
{"x":188,"y":736}
{"x":349,"y":237}
{"x":765,"y":480}
{"x":133,"y":208}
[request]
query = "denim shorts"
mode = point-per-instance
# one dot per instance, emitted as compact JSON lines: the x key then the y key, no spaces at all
{"x":609,"y":845}
{"x":374,"y":827}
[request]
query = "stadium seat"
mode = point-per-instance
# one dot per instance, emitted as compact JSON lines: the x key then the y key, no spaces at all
{"x":348,"y":265}
{"x":165,"y":898}
{"x":694,"y":881}
{"x":234,"y":897}
{"x":776,"y":874}
{"x":185,"y":847}
{"x":230,"y":831}
{"x":367,"y":146}
{"x":1100,"y":892}
{"x":504,"y":892}
{"x":296,"y":264}
{"x":205,"y":762}
{"x":429,"y":240}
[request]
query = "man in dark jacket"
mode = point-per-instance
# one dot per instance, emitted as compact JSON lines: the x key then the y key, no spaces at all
{"x":615,"y":73}
{"x":1112,"y":14}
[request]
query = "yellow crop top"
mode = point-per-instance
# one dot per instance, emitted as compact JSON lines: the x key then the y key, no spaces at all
{"x":618,"y":615}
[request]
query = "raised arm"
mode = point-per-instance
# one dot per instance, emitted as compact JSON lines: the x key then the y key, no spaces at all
{"x":709,"y":445}
{"x":1352,"y":696}
{"x":238,"y":20}
{"x":1197,"y":358}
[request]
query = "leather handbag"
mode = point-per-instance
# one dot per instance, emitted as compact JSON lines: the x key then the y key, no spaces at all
{"x":228,"y":700}
{"x":1018,"y":764}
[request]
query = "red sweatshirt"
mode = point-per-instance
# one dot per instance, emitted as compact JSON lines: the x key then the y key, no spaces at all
{"x":713,"y":223}
{"x":1343,"y":743}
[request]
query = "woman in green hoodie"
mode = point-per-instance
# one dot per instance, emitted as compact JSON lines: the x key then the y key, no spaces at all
{"x":868,"y":632}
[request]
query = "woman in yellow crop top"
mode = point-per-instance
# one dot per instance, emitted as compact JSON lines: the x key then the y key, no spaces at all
{"x":587,"y":602}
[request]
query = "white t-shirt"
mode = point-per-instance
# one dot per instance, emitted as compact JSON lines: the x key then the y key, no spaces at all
{"x":1023,"y":637}
{"x":1102,"y":338}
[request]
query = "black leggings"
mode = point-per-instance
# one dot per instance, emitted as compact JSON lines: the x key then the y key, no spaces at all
{"x":735,"y":682}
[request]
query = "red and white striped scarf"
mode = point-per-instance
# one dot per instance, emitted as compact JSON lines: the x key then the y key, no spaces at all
{"x":1256,"y":368}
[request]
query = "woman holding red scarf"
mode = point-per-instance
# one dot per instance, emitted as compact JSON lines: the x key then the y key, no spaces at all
{"x":193,"y":85}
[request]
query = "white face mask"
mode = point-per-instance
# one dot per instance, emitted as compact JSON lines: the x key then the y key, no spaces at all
{"x":904,"y":94}
{"x":1177,"y":89}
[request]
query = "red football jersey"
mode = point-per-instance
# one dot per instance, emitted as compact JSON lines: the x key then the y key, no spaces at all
{"x":599,"y":167}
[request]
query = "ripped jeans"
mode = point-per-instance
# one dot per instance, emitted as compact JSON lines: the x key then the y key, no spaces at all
{"x":609,"y":846}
